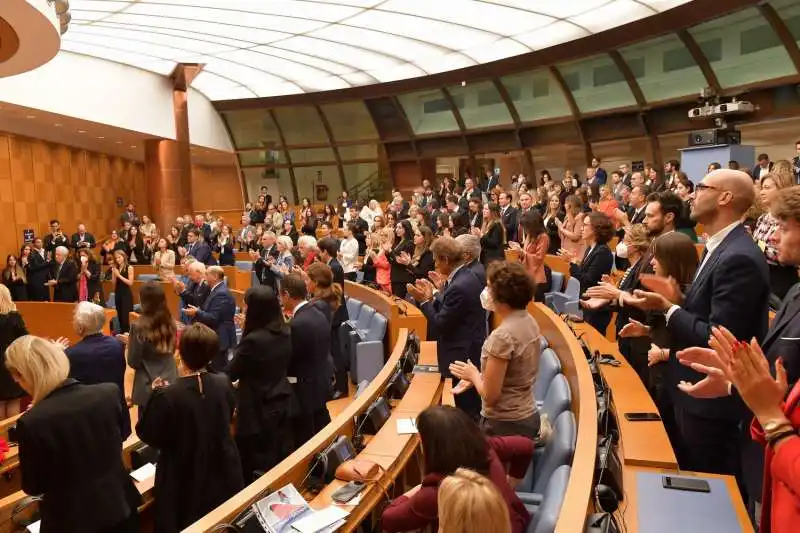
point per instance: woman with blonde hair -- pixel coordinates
(11, 328)
(470, 503)
(98, 496)
(781, 277)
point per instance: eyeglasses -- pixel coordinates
(703, 187)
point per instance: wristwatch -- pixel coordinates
(775, 430)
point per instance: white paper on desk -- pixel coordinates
(34, 528)
(406, 426)
(352, 503)
(320, 520)
(145, 472)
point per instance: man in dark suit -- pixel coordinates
(203, 227)
(129, 215)
(508, 213)
(38, 272)
(762, 168)
(199, 249)
(626, 175)
(196, 291)
(525, 205)
(217, 313)
(98, 358)
(263, 260)
(54, 239)
(731, 289)
(328, 248)
(361, 228)
(469, 192)
(64, 276)
(780, 341)
(456, 318)
(638, 203)
(310, 370)
(492, 181)
(82, 239)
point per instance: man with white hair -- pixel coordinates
(196, 292)
(307, 246)
(471, 246)
(64, 276)
(97, 358)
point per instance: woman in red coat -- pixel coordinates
(451, 440)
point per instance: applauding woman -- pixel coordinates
(400, 275)
(14, 278)
(492, 234)
(89, 287)
(122, 277)
(534, 249)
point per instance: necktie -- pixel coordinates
(58, 272)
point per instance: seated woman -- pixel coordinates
(189, 423)
(70, 445)
(451, 440)
(509, 357)
(264, 395)
(470, 503)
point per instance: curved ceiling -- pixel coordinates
(257, 49)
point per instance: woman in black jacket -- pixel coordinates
(11, 328)
(264, 397)
(70, 445)
(595, 263)
(225, 245)
(493, 235)
(422, 261)
(135, 246)
(403, 244)
(189, 422)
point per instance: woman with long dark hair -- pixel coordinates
(264, 395)
(403, 244)
(14, 278)
(534, 249)
(122, 276)
(225, 246)
(89, 287)
(451, 440)
(151, 343)
(135, 247)
(492, 234)
(308, 218)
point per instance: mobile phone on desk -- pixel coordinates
(347, 492)
(642, 417)
(685, 483)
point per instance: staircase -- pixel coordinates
(377, 186)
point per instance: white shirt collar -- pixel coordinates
(716, 239)
(298, 306)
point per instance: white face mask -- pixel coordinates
(486, 299)
(622, 250)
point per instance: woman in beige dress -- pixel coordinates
(164, 260)
(571, 228)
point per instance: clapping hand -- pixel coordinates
(421, 290)
(593, 303)
(123, 338)
(750, 374)
(634, 329)
(404, 258)
(158, 383)
(566, 255)
(63, 342)
(603, 290)
(476, 231)
(649, 301)
(666, 287)
(191, 310)
(238, 319)
(437, 279)
(462, 386)
(465, 370)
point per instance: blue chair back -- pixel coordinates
(558, 398)
(549, 366)
(546, 516)
(558, 452)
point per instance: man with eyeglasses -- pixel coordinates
(730, 288)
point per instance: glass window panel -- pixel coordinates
(307, 180)
(480, 112)
(311, 155)
(277, 181)
(300, 125)
(536, 96)
(789, 11)
(358, 151)
(350, 121)
(597, 84)
(359, 173)
(428, 112)
(668, 68)
(737, 66)
(252, 129)
(261, 157)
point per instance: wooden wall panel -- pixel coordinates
(40, 181)
(216, 188)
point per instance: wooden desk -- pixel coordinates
(173, 300)
(389, 449)
(54, 319)
(628, 512)
(399, 313)
(642, 443)
(294, 468)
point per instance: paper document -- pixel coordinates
(145, 472)
(34, 528)
(320, 520)
(406, 426)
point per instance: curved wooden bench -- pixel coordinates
(294, 468)
(54, 319)
(387, 448)
(557, 264)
